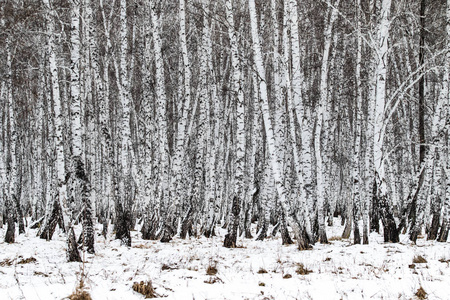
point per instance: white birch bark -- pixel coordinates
(357, 133)
(72, 251)
(390, 227)
(322, 106)
(238, 95)
(3, 178)
(276, 165)
(80, 178)
(12, 167)
(161, 114)
(184, 109)
(443, 235)
(307, 189)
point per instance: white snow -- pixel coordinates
(339, 269)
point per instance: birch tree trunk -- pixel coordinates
(161, 117)
(357, 134)
(72, 250)
(80, 179)
(320, 189)
(276, 165)
(445, 227)
(177, 167)
(391, 233)
(303, 117)
(123, 198)
(12, 174)
(238, 95)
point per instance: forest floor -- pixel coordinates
(33, 268)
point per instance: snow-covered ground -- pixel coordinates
(258, 270)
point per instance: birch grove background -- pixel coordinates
(185, 115)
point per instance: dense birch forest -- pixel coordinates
(176, 117)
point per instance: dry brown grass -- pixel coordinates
(37, 273)
(27, 261)
(142, 246)
(335, 238)
(213, 280)
(165, 267)
(145, 288)
(211, 270)
(262, 271)
(419, 260)
(6, 262)
(80, 293)
(421, 294)
(302, 270)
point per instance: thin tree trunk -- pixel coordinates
(322, 106)
(238, 95)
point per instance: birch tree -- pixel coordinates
(237, 93)
(320, 119)
(72, 250)
(385, 207)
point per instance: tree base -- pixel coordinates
(73, 255)
(443, 235)
(230, 240)
(10, 232)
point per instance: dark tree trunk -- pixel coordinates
(262, 232)
(122, 229)
(122, 222)
(105, 227)
(390, 229)
(231, 236)
(348, 228)
(168, 230)
(49, 228)
(285, 238)
(434, 229)
(443, 234)
(356, 234)
(374, 216)
(73, 255)
(247, 222)
(150, 227)
(11, 229)
(186, 223)
(209, 231)
(19, 213)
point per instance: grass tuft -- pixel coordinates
(302, 270)
(145, 288)
(421, 294)
(211, 270)
(262, 271)
(80, 293)
(27, 261)
(6, 262)
(419, 260)
(213, 280)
